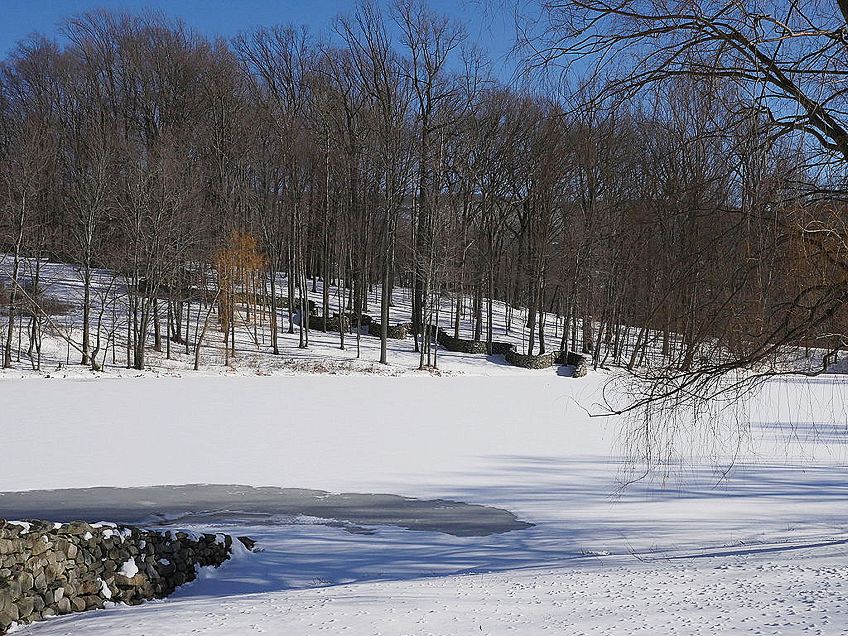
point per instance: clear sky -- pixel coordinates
(20, 18)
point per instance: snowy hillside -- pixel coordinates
(60, 355)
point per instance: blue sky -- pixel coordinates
(19, 18)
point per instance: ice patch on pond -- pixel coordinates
(209, 505)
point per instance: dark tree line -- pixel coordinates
(678, 216)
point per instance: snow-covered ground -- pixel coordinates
(759, 551)
(62, 284)
(62, 289)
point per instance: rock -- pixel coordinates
(25, 581)
(40, 582)
(71, 589)
(26, 605)
(89, 586)
(78, 528)
(62, 546)
(13, 588)
(53, 571)
(92, 602)
(248, 543)
(9, 615)
(63, 606)
(6, 599)
(40, 547)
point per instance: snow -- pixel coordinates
(104, 589)
(758, 550)
(746, 538)
(759, 598)
(61, 282)
(24, 525)
(128, 569)
(342, 433)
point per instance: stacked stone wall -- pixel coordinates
(395, 332)
(512, 356)
(579, 362)
(48, 569)
(462, 345)
(334, 323)
(542, 361)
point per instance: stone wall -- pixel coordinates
(506, 349)
(334, 323)
(501, 348)
(542, 361)
(348, 320)
(48, 569)
(512, 356)
(579, 362)
(463, 345)
(395, 332)
(312, 307)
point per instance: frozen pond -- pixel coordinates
(200, 504)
